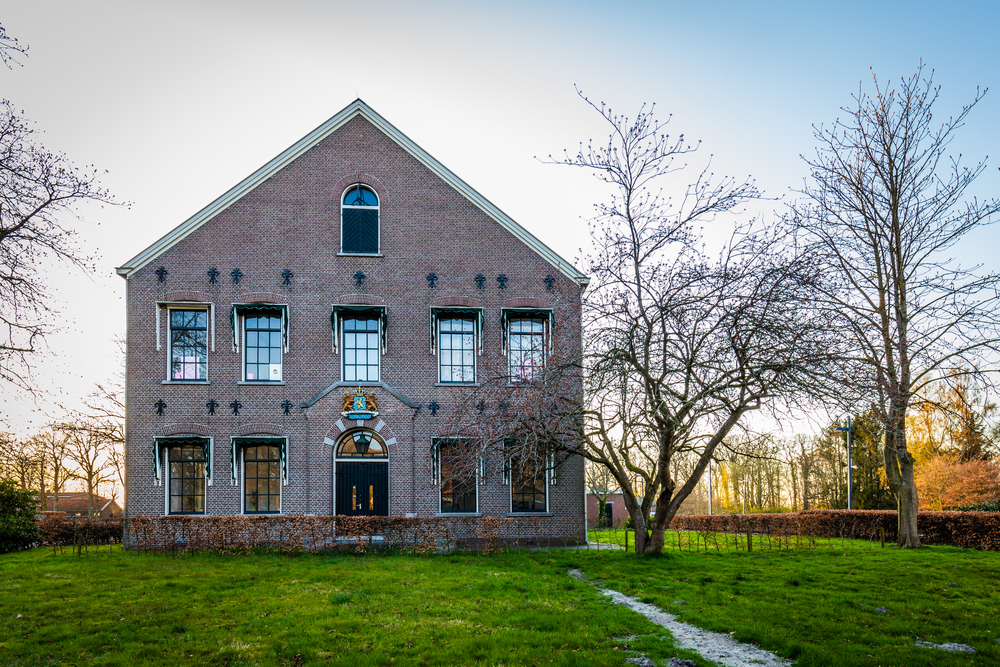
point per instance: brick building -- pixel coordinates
(293, 346)
(76, 503)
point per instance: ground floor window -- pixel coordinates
(527, 487)
(187, 479)
(458, 476)
(261, 479)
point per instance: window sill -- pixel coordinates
(530, 514)
(359, 254)
(448, 514)
(264, 383)
(456, 384)
(185, 382)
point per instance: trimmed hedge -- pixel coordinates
(62, 531)
(972, 530)
(240, 534)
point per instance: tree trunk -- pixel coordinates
(899, 472)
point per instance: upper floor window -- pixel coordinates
(262, 351)
(261, 329)
(457, 349)
(188, 344)
(456, 338)
(359, 221)
(526, 341)
(361, 349)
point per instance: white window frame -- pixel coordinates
(438, 479)
(241, 323)
(476, 346)
(379, 348)
(546, 315)
(509, 475)
(168, 306)
(240, 480)
(165, 475)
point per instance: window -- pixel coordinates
(359, 221)
(457, 349)
(188, 344)
(261, 479)
(361, 349)
(527, 486)
(362, 444)
(262, 331)
(527, 348)
(262, 350)
(187, 479)
(457, 475)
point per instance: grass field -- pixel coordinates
(818, 605)
(818, 602)
(110, 608)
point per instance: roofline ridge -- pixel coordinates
(300, 147)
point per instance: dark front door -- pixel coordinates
(362, 489)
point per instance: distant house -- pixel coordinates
(75, 504)
(614, 509)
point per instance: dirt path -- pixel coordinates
(713, 646)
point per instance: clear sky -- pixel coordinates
(179, 101)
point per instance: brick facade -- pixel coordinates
(290, 220)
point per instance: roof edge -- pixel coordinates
(296, 150)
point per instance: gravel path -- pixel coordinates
(713, 646)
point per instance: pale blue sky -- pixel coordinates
(181, 100)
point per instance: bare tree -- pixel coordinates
(52, 446)
(884, 205)
(681, 345)
(105, 413)
(38, 190)
(18, 462)
(10, 49)
(88, 449)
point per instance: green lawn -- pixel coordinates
(110, 608)
(817, 605)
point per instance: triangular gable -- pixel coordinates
(356, 108)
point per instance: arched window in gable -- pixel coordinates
(359, 221)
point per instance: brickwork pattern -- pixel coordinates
(292, 221)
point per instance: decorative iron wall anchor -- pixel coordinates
(480, 281)
(213, 275)
(502, 281)
(480, 406)
(212, 405)
(160, 406)
(236, 406)
(236, 274)
(359, 278)
(287, 406)
(161, 274)
(434, 407)
(432, 280)
(549, 282)
(286, 277)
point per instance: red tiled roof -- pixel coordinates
(77, 502)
